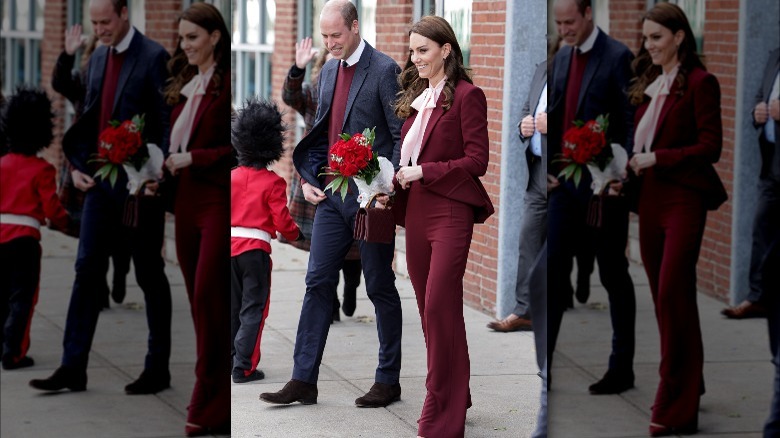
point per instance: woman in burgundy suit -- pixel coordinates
(201, 158)
(678, 138)
(444, 150)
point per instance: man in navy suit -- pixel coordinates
(357, 90)
(125, 78)
(590, 77)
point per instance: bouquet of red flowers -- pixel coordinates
(121, 144)
(352, 157)
(584, 144)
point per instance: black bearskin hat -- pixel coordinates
(26, 122)
(258, 133)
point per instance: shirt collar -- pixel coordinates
(589, 41)
(125, 43)
(355, 56)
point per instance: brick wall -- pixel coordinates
(55, 15)
(720, 56)
(281, 61)
(720, 49)
(394, 17)
(487, 62)
(161, 22)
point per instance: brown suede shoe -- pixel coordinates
(379, 396)
(293, 391)
(510, 324)
(745, 309)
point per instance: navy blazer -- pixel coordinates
(604, 92)
(768, 149)
(369, 104)
(139, 91)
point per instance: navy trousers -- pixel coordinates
(331, 239)
(770, 278)
(566, 222)
(100, 226)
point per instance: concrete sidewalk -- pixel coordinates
(504, 384)
(117, 359)
(737, 371)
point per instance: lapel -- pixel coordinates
(561, 69)
(770, 75)
(594, 60)
(97, 70)
(205, 103)
(131, 57)
(537, 85)
(327, 86)
(435, 116)
(670, 101)
(361, 73)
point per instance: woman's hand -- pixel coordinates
(642, 161)
(406, 175)
(178, 161)
(381, 201)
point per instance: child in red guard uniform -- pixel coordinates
(28, 195)
(258, 209)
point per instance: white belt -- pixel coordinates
(19, 219)
(250, 233)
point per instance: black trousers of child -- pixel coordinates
(250, 287)
(20, 272)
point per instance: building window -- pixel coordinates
(694, 10)
(22, 32)
(252, 46)
(457, 13)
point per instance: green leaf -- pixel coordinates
(345, 136)
(344, 188)
(333, 184)
(113, 175)
(577, 176)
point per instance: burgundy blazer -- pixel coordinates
(689, 137)
(454, 152)
(210, 144)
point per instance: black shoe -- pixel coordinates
(119, 290)
(293, 391)
(24, 362)
(350, 297)
(583, 290)
(379, 396)
(239, 377)
(612, 383)
(149, 383)
(63, 378)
